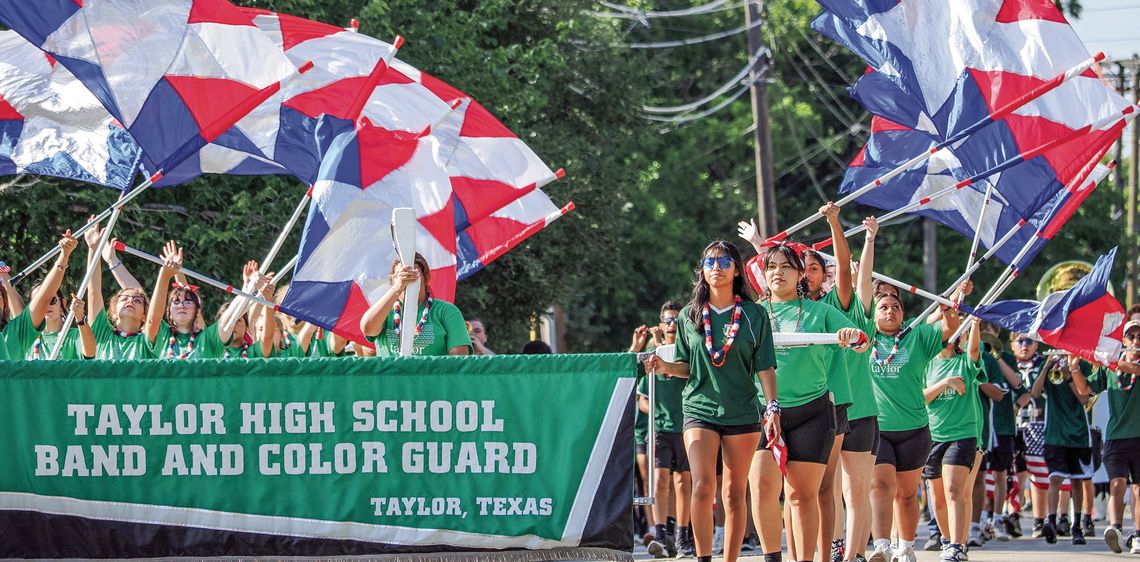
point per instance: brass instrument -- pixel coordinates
(994, 342)
(1063, 276)
(1058, 375)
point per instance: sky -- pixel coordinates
(1112, 26)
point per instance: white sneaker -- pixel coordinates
(1112, 539)
(1135, 547)
(881, 552)
(904, 553)
(1000, 534)
(718, 541)
(975, 536)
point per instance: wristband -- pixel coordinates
(117, 264)
(773, 408)
(80, 322)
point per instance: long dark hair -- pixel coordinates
(4, 307)
(700, 295)
(793, 258)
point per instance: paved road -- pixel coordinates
(1023, 550)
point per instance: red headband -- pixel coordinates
(796, 247)
(191, 288)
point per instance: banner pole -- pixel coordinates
(997, 115)
(978, 227)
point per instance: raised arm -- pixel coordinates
(250, 284)
(842, 255)
(172, 262)
(305, 336)
(117, 269)
(865, 285)
(86, 336)
(54, 279)
(1078, 384)
(373, 320)
(269, 325)
(974, 344)
(1011, 376)
(95, 282)
(15, 302)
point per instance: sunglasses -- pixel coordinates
(723, 262)
(1023, 341)
(1132, 337)
(668, 319)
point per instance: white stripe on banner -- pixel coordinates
(264, 524)
(592, 478)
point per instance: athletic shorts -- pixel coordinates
(642, 449)
(809, 431)
(1069, 462)
(842, 424)
(905, 450)
(863, 437)
(722, 430)
(1097, 447)
(1000, 456)
(669, 452)
(955, 453)
(1019, 452)
(1122, 459)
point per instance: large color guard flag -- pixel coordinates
(51, 125)
(961, 209)
(488, 239)
(1085, 320)
(940, 68)
(176, 73)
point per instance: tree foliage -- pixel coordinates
(649, 195)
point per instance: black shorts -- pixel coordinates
(842, 424)
(1074, 463)
(722, 430)
(669, 452)
(1000, 456)
(1097, 446)
(905, 450)
(864, 436)
(642, 449)
(955, 453)
(809, 431)
(1019, 452)
(1122, 459)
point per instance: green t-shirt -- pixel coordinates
(839, 376)
(322, 346)
(667, 414)
(1066, 423)
(443, 330)
(726, 395)
(954, 416)
(3, 348)
(802, 373)
(20, 334)
(899, 384)
(72, 346)
(1000, 417)
(859, 368)
(111, 346)
(206, 345)
(1123, 405)
(289, 349)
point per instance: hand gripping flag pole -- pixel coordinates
(188, 149)
(996, 116)
(1123, 117)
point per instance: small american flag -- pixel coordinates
(780, 453)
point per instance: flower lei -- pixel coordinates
(718, 357)
(184, 354)
(875, 356)
(1120, 381)
(397, 316)
(38, 348)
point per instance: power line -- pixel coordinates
(681, 119)
(716, 94)
(693, 40)
(634, 13)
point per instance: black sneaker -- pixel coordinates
(1063, 526)
(934, 543)
(1048, 532)
(656, 548)
(1088, 527)
(1078, 536)
(671, 545)
(685, 546)
(1013, 525)
(1038, 530)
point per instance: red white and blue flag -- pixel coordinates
(942, 69)
(51, 125)
(1085, 320)
(176, 73)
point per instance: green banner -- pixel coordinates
(450, 453)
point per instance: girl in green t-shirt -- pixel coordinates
(898, 369)
(439, 328)
(808, 415)
(951, 395)
(119, 322)
(724, 343)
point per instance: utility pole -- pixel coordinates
(765, 179)
(1133, 188)
(1121, 86)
